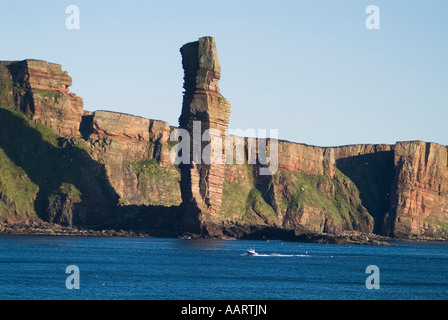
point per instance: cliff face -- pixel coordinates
(371, 169)
(41, 91)
(49, 177)
(65, 165)
(139, 138)
(321, 189)
(103, 169)
(420, 189)
(135, 153)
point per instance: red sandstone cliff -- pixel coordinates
(399, 190)
(420, 189)
(320, 189)
(41, 90)
(124, 144)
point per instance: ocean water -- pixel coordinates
(34, 267)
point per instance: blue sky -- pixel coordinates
(310, 69)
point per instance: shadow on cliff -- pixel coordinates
(74, 188)
(373, 175)
(22, 94)
(158, 221)
(51, 167)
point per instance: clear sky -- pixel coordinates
(310, 69)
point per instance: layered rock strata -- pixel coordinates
(419, 200)
(41, 90)
(320, 189)
(136, 155)
(139, 138)
(111, 169)
(204, 108)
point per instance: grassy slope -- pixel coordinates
(36, 163)
(242, 201)
(156, 185)
(17, 191)
(338, 202)
(340, 205)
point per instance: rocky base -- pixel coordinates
(45, 228)
(229, 231)
(302, 235)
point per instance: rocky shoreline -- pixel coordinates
(263, 233)
(45, 228)
(255, 233)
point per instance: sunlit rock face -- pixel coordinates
(204, 108)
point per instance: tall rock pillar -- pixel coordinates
(205, 114)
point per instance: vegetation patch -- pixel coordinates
(6, 85)
(17, 191)
(337, 199)
(47, 94)
(242, 201)
(258, 209)
(155, 185)
(49, 162)
(152, 168)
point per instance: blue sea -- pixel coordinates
(133, 268)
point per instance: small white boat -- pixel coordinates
(251, 252)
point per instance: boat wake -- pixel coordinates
(283, 255)
(276, 255)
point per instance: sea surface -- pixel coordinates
(34, 267)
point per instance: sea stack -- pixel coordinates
(204, 110)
